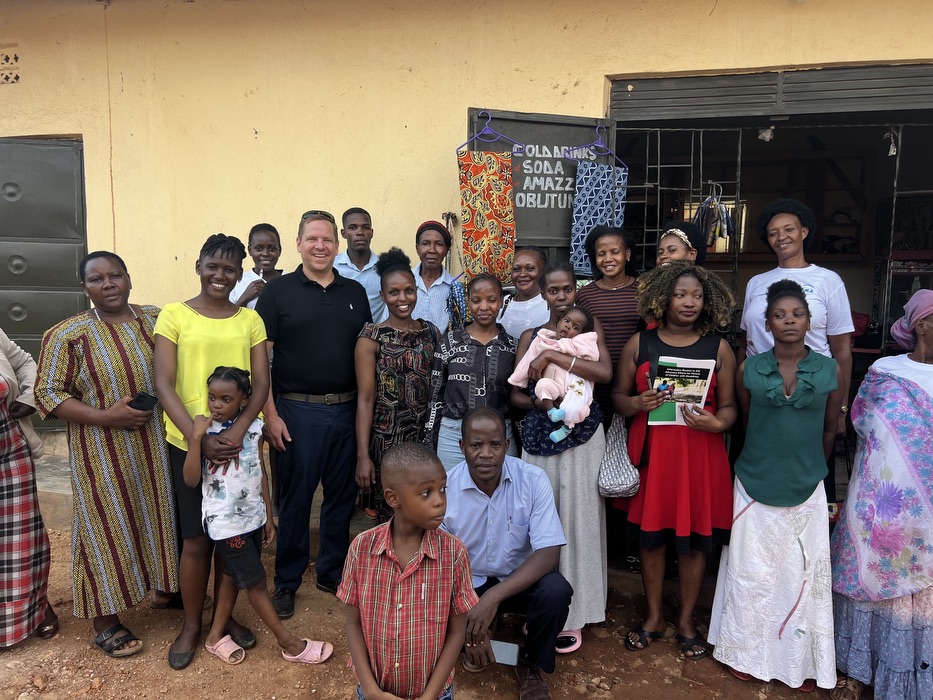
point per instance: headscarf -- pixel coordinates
(434, 226)
(919, 307)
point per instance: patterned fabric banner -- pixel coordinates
(487, 213)
(599, 200)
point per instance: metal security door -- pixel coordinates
(42, 236)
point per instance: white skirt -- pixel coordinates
(773, 610)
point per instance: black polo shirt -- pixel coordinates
(314, 330)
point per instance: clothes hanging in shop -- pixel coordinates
(599, 200)
(487, 213)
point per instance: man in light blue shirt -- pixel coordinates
(359, 261)
(503, 511)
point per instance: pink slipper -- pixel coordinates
(568, 641)
(314, 653)
(226, 650)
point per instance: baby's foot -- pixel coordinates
(560, 433)
(556, 415)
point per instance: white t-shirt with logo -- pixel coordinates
(231, 503)
(826, 297)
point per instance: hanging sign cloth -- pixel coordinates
(599, 200)
(487, 213)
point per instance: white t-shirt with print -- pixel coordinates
(231, 503)
(826, 297)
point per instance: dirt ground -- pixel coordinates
(70, 666)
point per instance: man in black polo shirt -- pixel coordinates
(312, 321)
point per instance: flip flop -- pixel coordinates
(313, 653)
(741, 675)
(575, 638)
(226, 650)
(690, 644)
(645, 638)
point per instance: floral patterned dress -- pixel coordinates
(882, 549)
(403, 365)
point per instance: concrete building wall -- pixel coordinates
(201, 116)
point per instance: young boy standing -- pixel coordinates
(407, 587)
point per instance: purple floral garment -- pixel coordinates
(883, 545)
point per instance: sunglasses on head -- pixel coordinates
(319, 212)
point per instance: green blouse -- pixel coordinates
(782, 460)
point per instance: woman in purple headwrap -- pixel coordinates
(882, 549)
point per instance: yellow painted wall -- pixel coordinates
(201, 116)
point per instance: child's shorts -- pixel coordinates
(446, 695)
(242, 558)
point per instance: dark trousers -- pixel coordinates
(545, 605)
(322, 450)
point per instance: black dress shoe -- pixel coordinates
(284, 603)
(327, 586)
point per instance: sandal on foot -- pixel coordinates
(227, 650)
(644, 638)
(691, 644)
(568, 641)
(808, 686)
(847, 689)
(313, 653)
(470, 667)
(741, 675)
(109, 643)
(49, 627)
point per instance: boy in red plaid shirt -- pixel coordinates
(407, 587)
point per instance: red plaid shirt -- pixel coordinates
(404, 612)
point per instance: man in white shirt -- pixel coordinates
(359, 261)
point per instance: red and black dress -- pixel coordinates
(685, 499)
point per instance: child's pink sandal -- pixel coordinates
(227, 651)
(313, 653)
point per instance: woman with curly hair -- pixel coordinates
(393, 362)
(685, 482)
(773, 614)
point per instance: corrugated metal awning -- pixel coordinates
(774, 94)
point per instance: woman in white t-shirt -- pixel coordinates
(786, 225)
(526, 308)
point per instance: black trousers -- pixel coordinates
(545, 605)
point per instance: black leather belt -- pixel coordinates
(328, 399)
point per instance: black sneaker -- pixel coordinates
(284, 603)
(327, 586)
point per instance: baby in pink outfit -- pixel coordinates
(574, 336)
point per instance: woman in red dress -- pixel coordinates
(685, 495)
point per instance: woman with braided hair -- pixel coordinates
(685, 481)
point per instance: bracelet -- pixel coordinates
(572, 363)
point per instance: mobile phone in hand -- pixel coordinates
(143, 401)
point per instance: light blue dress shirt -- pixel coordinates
(501, 532)
(432, 302)
(369, 278)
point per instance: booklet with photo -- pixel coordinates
(684, 383)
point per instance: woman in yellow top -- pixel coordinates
(192, 338)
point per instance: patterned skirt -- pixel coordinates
(25, 553)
